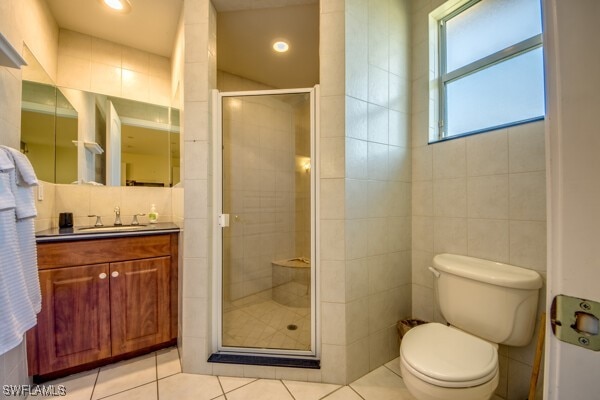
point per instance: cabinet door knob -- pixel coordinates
(102, 276)
(114, 274)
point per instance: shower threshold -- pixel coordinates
(247, 359)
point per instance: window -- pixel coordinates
(491, 66)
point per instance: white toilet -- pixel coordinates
(486, 303)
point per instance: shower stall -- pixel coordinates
(265, 238)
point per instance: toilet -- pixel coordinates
(486, 304)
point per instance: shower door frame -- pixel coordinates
(217, 248)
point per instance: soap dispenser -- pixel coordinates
(153, 215)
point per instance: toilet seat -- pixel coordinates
(447, 357)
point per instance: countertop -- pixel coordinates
(75, 233)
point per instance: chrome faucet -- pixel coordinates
(118, 216)
(135, 220)
(98, 220)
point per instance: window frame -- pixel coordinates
(490, 60)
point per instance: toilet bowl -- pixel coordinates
(486, 303)
(442, 363)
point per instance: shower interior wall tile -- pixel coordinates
(482, 196)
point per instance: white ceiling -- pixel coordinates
(150, 26)
(246, 31)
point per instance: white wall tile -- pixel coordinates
(450, 236)
(356, 159)
(528, 196)
(357, 320)
(488, 239)
(488, 196)
(357, 238)
(378, 86)
(422, 163)
(333, 108)
(333, 322)
(333, 281)
(422, 198)
(378, 124)
(422, 233)
(527, 147)
(450, 159)
(450, 197)
(332, 158)
(487, 153)
(357, 279)
(528, 244)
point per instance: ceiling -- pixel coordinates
(150, 26)
(246, 32)
(245, 39)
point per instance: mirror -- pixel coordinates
(73, 136)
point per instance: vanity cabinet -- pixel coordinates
(103, 299)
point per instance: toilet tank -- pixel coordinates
(495, 301)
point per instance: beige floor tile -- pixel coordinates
(309, 390)
(229, 383)
(262, 389)
(145, 392)
(345, 393)
(78, 386)
(189, 386)
(167, 362)
(394, 365)
(125, 375)
(381, 384)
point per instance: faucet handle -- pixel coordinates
(135, 220)
(98, 220)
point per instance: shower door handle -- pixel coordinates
(224, 220)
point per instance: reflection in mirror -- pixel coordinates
(37, 128)
(175, 143)
(48, 125)
(72, 136)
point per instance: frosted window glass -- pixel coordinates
(508, 92)
(488, 27)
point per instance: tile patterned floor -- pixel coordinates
(158, 376)
(258, 321)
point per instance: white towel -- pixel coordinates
(25, 173)
(20, 298)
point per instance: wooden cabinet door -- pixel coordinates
(74, 324)
(140, 303)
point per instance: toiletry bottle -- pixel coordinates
(153, 215)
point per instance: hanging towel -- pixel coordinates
(20, 298)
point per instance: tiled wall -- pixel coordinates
(84, 200)
(99, 66)
(365, 183)
(199, 78)
(482, 196)
(29, 21)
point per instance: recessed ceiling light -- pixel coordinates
(122, 6)
(281, 46)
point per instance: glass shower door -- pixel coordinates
(267, 275)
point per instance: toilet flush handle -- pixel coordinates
(435, 272)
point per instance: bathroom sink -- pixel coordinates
(113, 228)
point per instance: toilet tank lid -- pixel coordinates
(491, 272)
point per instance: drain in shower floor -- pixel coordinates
(292, 327)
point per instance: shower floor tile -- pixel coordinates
(258, 321)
